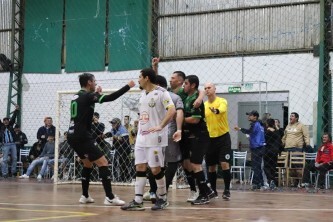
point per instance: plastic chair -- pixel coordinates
(23, 153)
(311, 157)
(238, 164)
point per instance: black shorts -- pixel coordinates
(219, 150)
(85, 148)
(194, 148)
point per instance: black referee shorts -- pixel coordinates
(219, 150)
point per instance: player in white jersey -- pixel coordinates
(156, 110)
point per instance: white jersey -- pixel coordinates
(153, 108)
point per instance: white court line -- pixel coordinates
(179, 208)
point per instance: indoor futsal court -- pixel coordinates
(29, 200)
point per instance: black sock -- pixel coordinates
(190, 180)
(85, 179)
(170, 173)
(152, 182)
(202, 184)
(212, 177)
(227, 178)
(105, 175)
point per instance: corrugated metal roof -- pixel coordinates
(5, 14)
(167, 7)
(261, 29)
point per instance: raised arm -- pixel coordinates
(154, 64)
(117, 94)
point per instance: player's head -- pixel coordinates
(210, 89)
(326, 138)
(147, 76)
(177, 79)
(87, 80)
(161, 81)
(191, 83)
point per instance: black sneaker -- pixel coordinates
(212, 194)
(226, 195)
(200, 200)
(133, 206)
(160, 204)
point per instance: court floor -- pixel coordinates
(29, 200)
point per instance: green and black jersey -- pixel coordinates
(190, 111)
(82, 110)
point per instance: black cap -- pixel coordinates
(115, 121)
(16, 126)
(253, 113)
(6, 118)
(96, 114)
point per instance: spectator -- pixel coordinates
(122, 146)
(273, 147)
(134, 131)
(265, 117)
(7, 135)
(323, 163)
(20, 139)
(44, 158)
(97, 129)
(296, 135)
(46, 130)
(257, 146)
(278, 127)
(35, 151)
(66, 155)
(129, 128)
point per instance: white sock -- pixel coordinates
(161, 188)
(140, 183)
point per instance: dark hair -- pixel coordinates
(161, 81)
(296, 114)
(96, 114)
(150, 73)
(84, 78)
(329, 136)
(180, 74)
(277, 120)
(193, 79)
(270, 123)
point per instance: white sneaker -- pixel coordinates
(192, 196)
(146, 196)
(24, 176)
(39, 178)
(114, 202)
(85, 200)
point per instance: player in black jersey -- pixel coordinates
(81, 139)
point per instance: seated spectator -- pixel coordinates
(44, 158)
(66, 155)
(323, 163)
(20, 140)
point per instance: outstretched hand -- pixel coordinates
(99, 89)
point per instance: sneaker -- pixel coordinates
(152, 197)
(226, 195)
(24, 176)
(304, 185)
(160, 205)
(114, 202)
(85, 200)
(39, 178)
(200, 200)
(272, 185)
(212, 194)
(192, 196)
(133, 206)
(146, 196)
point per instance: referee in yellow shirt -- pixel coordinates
(216, 113)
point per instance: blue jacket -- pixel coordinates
(257, 134)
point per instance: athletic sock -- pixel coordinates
(212, 176)
(105, 175)
(140, 183)
(190, 180)
(227, 179)
(202, 184)
(85, 179)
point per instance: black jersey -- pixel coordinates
(82, 111)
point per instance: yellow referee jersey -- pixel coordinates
(217, 124)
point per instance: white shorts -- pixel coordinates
(154, 156)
